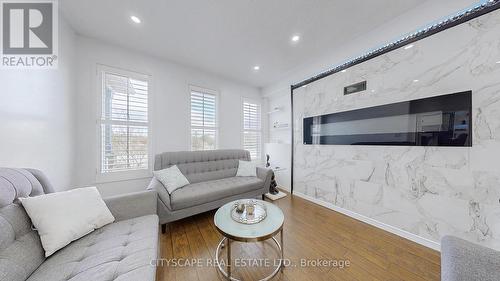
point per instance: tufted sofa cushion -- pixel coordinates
(15, 183)
(211, 175)
(203, 192)
(119, 251)
(199, 166)
(20, 249)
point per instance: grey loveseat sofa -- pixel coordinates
(211, 175)
(124, 250)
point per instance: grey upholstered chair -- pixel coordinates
(465, 261)
(213, 182)
(123, 250)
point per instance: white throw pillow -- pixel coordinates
(171, 178)
(63, 217)
(246, 169)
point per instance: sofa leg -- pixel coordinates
(163, 228)
(263, 197)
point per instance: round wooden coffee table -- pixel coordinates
(235, 231)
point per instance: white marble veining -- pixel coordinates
(428, 191)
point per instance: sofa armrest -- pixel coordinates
(44, 181)
(132, 205)
(160, 190)
(463, 260)
(265, 174)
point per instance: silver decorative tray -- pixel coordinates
(258, 215)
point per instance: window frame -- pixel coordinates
(259, 159)
(193, 88)
(130, 174)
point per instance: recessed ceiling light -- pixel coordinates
(295, 38)
(408, 47)
(256, 67)
(415, 81)
(498, 62)
(135, 19)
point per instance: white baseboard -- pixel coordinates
(286, 188)
(403, 233)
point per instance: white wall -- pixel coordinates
(279, 139)
(170, 101)
(427, 192)
(278, 93)
(37, 115)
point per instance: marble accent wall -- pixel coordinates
(428, 191)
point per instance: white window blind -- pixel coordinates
(124, 123)
(204, 128)
(252, 128)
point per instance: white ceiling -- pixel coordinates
(229, 37)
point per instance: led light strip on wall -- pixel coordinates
(482, 8)
(475, 11)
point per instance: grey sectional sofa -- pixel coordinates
(462, 260)
(123, 250)
(213, 182)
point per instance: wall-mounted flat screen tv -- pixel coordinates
(437, 121)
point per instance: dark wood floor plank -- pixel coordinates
(312, 232)
(182, 252)
(163, 271)
(200, 250)
(377, 250)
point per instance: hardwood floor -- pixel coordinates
(311, 232)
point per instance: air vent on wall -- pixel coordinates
(354, 88)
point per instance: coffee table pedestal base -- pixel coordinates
(226, 242)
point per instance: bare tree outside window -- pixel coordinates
(124, 123)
